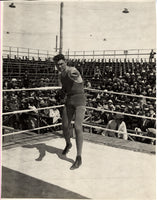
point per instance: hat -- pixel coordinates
(138, 130)
(137, 107)
(136, 103)
(42, 102)
(148, 86)
(117, 106)
(122, 106)
(13, 79)
(130, 107)
(110, 101)
(144, 93)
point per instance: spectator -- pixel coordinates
(151, 57)
(88, 84)
(54, 114)
(97, 73)
(116, 124)
(26, 80)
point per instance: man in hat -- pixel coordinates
(72, 85)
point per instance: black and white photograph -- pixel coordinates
(78, 99)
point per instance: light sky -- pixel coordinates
(35, 24)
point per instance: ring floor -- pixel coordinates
(37, 169)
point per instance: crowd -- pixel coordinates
(24, 100)
(135, 78)
(104, 102)
(140, 80)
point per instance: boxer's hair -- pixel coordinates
(58, 57)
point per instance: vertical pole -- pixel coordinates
(83, 54)
(68, 53)
(38, 54)
(28, 53)
(93, 54)
(10, 52)
(17, 52)
(114, 54)
(56, 42)
(138, 54)
(61, 28)
(103, 54)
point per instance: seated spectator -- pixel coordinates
(14, 83)
(151, 132)
(20, 84)
(26, 80)
(116, 124)
(5, 84)
(32, 107)
(111, 107)
(88, 84)
(97, 73)
(54, 114)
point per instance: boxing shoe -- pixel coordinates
(66, 150)
(77, 163)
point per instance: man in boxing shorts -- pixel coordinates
(72, 86)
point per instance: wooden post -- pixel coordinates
(83, 54)
(10, 52)
(68, 54)
(103, 54)
(17, 52)
(56, 43)
(93, 55)
(61, 28)
(28, 54)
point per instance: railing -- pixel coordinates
(110, 54)
(101, 54)
(26, 52)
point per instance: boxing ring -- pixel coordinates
(36, 168)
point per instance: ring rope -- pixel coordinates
(29, 130)
(84, 124)
(139, 116)
(87, 125)
(31, 110)
(29, 89)
(120, 93)
(94, 90)
(112, 130)
(91, 108)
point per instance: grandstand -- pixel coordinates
(114, 76)
(39, 65)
